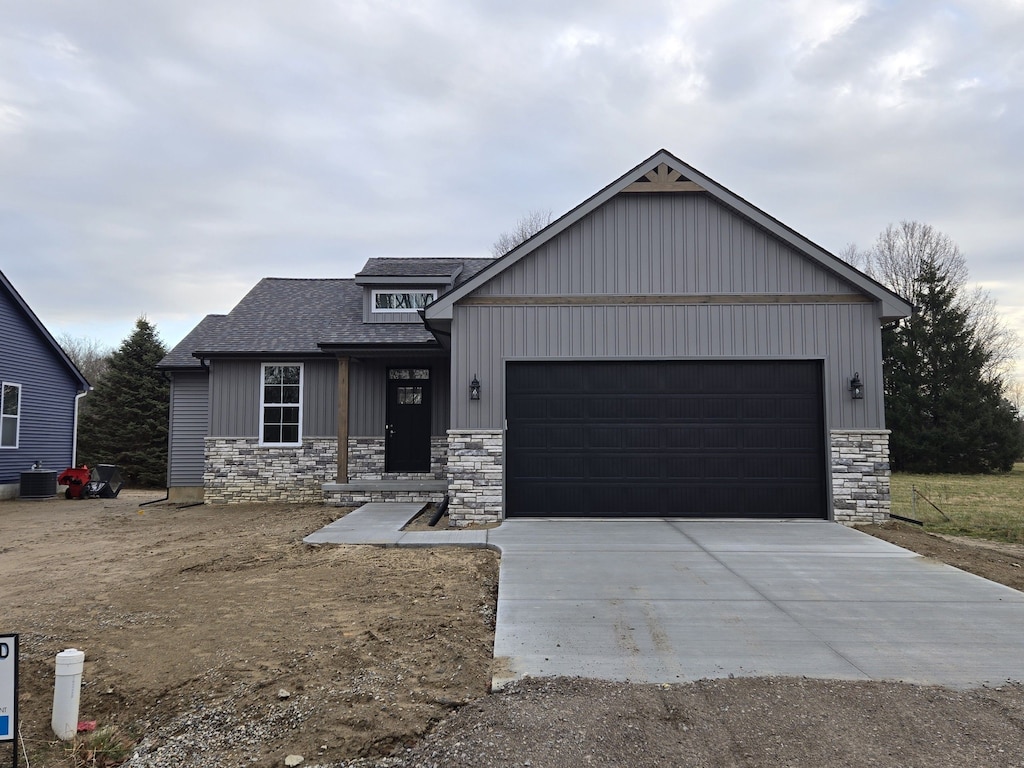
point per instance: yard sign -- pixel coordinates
(8, 687)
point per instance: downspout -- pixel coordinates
(74, 434)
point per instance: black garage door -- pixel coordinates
(665, 439)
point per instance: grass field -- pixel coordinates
(986, 506)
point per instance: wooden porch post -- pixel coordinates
(342, 420)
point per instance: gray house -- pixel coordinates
(39, 393)
(663, 349)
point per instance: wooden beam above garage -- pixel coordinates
(667, 299)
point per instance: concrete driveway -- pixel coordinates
(666, 601)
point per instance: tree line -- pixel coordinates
(124, 420)
(949, 402)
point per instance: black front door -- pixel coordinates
(407, 433)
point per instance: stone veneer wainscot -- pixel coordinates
(475, 475)
(239, 469)
(366, 460)
(860, 475)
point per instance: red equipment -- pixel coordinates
(76, 479)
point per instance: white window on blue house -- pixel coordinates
(10, 414)
(402, 301)
(281, 404)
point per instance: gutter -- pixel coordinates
(74, 437)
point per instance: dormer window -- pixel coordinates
(402, 301)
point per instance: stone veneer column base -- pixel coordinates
(476, 474)
(239, 469)
(860, 475)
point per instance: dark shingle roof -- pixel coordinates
(472, 267)
(291, 316)
(462, 269)
(181, 355)
(410, 268)
(294, 316)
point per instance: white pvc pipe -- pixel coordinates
(67, 690)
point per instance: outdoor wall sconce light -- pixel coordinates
(474, 388)
(856, 387)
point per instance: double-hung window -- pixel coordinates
(10, 414)
(281, 404)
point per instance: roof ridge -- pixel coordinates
(312, 279)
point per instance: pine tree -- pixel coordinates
(946, 412)
(126, 423)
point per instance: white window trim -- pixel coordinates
(263, 403)
(378, 291)
(17, 429)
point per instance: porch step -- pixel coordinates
(384, 491)
(410, 486)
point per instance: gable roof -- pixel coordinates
(307, 316)
(662, 172)
(296, 316)
(47, 339)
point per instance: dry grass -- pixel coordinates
(985, 506)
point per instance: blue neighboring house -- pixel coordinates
(39, 392)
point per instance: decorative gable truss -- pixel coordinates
(664, 179)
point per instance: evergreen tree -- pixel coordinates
(946, 410)
(126, 423)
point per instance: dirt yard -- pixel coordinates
(199, 618)
(214, 637)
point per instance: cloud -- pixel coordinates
(173, 154)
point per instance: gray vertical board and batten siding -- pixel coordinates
(667, 245)
(47, 423)
(189, 425)
(235, 397)
(674, 244)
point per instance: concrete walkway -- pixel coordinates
(668, 601)
(381, 524)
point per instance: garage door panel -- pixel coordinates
(760, 438)
(798, 467)
(640, 438)
(678, 438)
(795, 439)
(604, 437)
(681, 408)
(550, 467)
(800, 408)
(608, 469)
(685, 438)
(715, 438)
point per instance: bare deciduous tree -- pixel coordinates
(528, 225)
(897, 260)
(854, 257)
(1015, 394)
(902, 251)
(89, 355)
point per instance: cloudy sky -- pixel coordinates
(160, 158)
